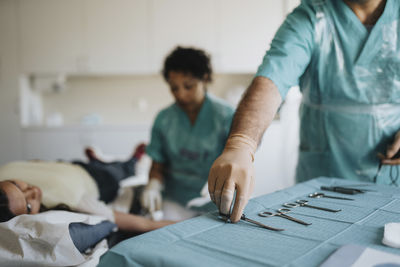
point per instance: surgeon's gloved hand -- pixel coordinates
(233, 169)
(151, 198)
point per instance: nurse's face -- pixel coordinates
(22, 197)
(187, 90)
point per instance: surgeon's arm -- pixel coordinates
(233, 169)
(257, 109)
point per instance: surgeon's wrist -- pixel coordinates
(241, 142)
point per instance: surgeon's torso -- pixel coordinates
(351, 93)
(351, 65)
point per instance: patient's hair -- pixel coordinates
(5, 212)
(189, 61)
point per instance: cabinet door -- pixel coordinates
(246, 30)
(50, 35)
(182, 22)
(117, 33)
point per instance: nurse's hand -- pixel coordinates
(233, 169)
(392, 156)
(151, 198)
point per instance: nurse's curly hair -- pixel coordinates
(189, 61)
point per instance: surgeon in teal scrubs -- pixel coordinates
(188, 135)
(345, 56)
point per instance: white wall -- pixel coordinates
(122, 100)
(10, 147)
(78, 100)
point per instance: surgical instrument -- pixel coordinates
(282, 213)
(343, 190)
(303, 203)
(260, 224)
(244, 218)
(321, 195)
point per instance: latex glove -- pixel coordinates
(391, 158)
(233, 169)
(151, 197)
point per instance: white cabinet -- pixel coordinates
(187, 23)
(246, 30)
(50, 35)
(116, 36)
(134, 36)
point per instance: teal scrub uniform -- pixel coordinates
(349, 75)
(187, 151)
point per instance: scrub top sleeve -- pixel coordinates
(290, 50)
(155, 148)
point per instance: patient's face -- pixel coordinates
(187, 90)
(22, 197)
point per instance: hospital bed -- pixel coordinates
(44, 240)
(209, 241)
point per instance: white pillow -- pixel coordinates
(60, 182)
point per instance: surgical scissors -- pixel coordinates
(303, 203)
(320, 195)
(282, 213)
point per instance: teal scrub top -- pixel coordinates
(187, 151)
(350, 79)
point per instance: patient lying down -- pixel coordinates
(18, 197)
(54, 213)
(27, 187)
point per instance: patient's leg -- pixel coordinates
(91, 154)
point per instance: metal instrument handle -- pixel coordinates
(291, 205)
(293, 219)
(260, 224)
(304, 204)
(266, 214)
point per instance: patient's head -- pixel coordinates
(18, 197)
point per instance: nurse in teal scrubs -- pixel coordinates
(188, 135)
(345, 56)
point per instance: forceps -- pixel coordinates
(244, 218)
(303, 203)
(320, 195)
(282, 213)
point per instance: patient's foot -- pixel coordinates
(91, 154)
(139, 151)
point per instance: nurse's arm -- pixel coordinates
(233, 169)
(156, 171)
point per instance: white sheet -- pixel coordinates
(44, 240)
